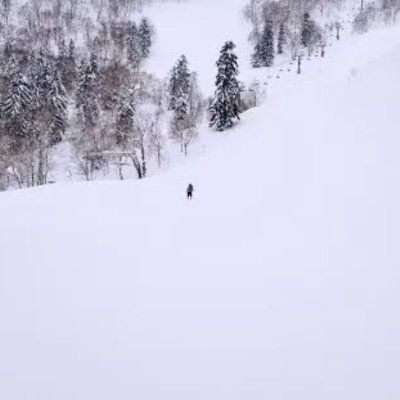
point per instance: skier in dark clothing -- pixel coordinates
(189, 191)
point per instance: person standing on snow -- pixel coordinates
(189, 191)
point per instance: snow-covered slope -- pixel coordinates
(278, 281)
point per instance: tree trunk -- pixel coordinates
(299, 64)
(137, 166)
(143, 155)
(121, 177)
(159, 156)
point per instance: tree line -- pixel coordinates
(51, 95)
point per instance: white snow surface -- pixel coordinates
(278, 281)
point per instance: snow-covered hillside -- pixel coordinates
(278, 281)
(198, 29)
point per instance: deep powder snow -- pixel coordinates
(278, 281)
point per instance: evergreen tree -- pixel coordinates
(94, 66)
(9, 70)
(41, 77)
(186, 101)
(62, 48)
(257, 58)
(268, 47)
(58, 109)
(307, 30)
(184, 122)
(181, 105)
(134, 50)
(86, 94)
(17, 97)
(15, 105)
(179, 86)
(182, 88)
(125, 117)
(225, 106)
(71, 49)
(48, 114)
(145, 37)
(69, 72)
(172, 88)
(264, 52)
(79, 95)
(8, 50)
(281, 39)
(66, 64)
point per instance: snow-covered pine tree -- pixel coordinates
(182, 88)
(268, 46)
(172, 88)
(186, 101)
(281, 38)
(79, 94)
(69, 73)
(8, 50)
(86, 95)
(62, 48)
(133, 48)
(48, 114)
(58, 109)
(125, 117)
(264, 51)
(179, 86)
(16, 101)
(256, 58)
(146, 33)
(307, 30)
(41, 77)
(9, 70)
(66, 64)
(71, 49)
(94, 66)
(225, 106)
